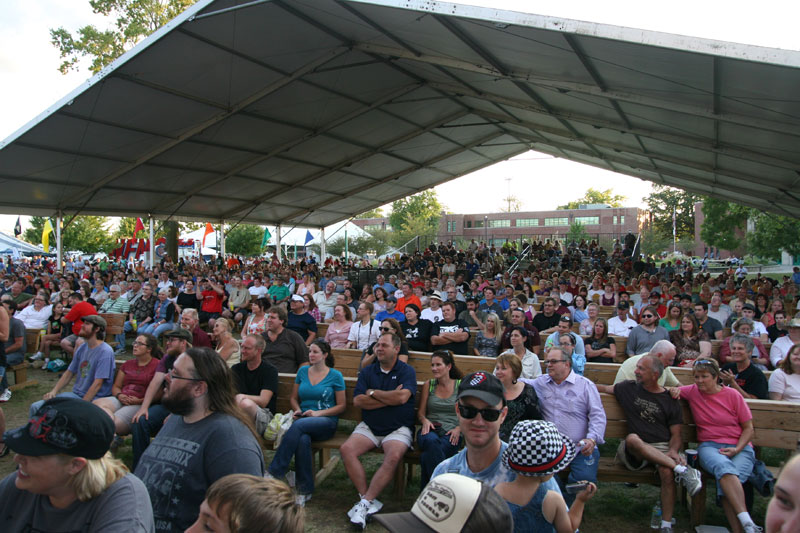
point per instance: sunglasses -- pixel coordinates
(469, 412)
(386, 329)
(647, 316)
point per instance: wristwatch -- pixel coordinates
(370, 393)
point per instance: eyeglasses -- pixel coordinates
(173, 376)
(647, 316)
(565, 344)
(469, 412)
(699, 362)
(550, 362)
(386, 329)
(137, 343)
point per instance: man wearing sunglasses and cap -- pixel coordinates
(481, 409)
(66, 480)
(93, 364)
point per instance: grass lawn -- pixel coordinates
(616, 507)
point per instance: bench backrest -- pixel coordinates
(604, 374)
(776, 424)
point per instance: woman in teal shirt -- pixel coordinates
(317, 400)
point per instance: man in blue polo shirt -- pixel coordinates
(390, 311)
(385, 394)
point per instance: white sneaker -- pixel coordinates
(359, 513)
(752, 528)
(301, 499)
(375, 506)
(5, 396)
(691, 479)
(36, 356)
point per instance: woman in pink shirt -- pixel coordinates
(339, 329)
(724, 429)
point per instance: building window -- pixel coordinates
(527, 222)
(477, 223)
(451, 226)
(467, 223)
(622, 219)
(614, 219)
(500, 223)
(557, 221)
(588, 221)
(373, 227)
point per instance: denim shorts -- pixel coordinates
(718, 465)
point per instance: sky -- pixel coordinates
(30, 82)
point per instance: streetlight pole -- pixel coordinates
(486, 230)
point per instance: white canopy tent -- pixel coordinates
(12, 245)
(307, 112)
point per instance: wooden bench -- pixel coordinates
(115, 324)
(348, 363)
(604, 373)
(325, 461)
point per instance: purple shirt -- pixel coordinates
(574, 406)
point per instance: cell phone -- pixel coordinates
(574, 488)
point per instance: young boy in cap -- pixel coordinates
(537, 450)
(56, 487)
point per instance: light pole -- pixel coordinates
(486, 230)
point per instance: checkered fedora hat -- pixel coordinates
(537, 448)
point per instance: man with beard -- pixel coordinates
(93, 365)
(150, 417)
(207, 438)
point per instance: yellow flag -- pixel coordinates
(46, 231)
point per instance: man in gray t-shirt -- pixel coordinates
(204, 440)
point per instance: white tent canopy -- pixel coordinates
(307, 112)
(9, 244)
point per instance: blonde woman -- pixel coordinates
(227, 347)
(490, 335)
(66, 480)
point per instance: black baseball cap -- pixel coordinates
(483, 386)
(623, 305)
(64, 425)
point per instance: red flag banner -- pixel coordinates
(139, 226)
(209, 229)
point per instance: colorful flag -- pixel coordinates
(139, 226)
(309, 237)
(17, 228)
(46, 231)
(209, 229)
(265, 239)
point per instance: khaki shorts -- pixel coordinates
(634, 463)
(402, 434)
(263, 417)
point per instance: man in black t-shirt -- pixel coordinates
(654, 425)
(450, 333)
(708, 324)
(256, 383)
(547, 320)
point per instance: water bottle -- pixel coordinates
(655, 516)
(589, 461)
(133, 324)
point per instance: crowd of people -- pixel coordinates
(210, 338)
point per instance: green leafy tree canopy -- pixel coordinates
(577, 233)
(135, 20)
(661, 203)
(244, 239)
(594, 196)
(85, 233)
(372, 213)
(421, 206)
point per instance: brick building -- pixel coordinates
(600, 221)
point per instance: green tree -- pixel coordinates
(244, 239)
(577, 233)
(661, 203)
(126, 225)
(720, 224)
(135, 20)
(593, 196)
(416, 215)
(372, 213)
(653, 242)
(87, 234)
(773, 233)
(511, 204)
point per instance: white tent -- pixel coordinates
(12, 245)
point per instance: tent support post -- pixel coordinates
(152, 244)
(278, 242)
(222, 238)
(59, 249)
(322, 248)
